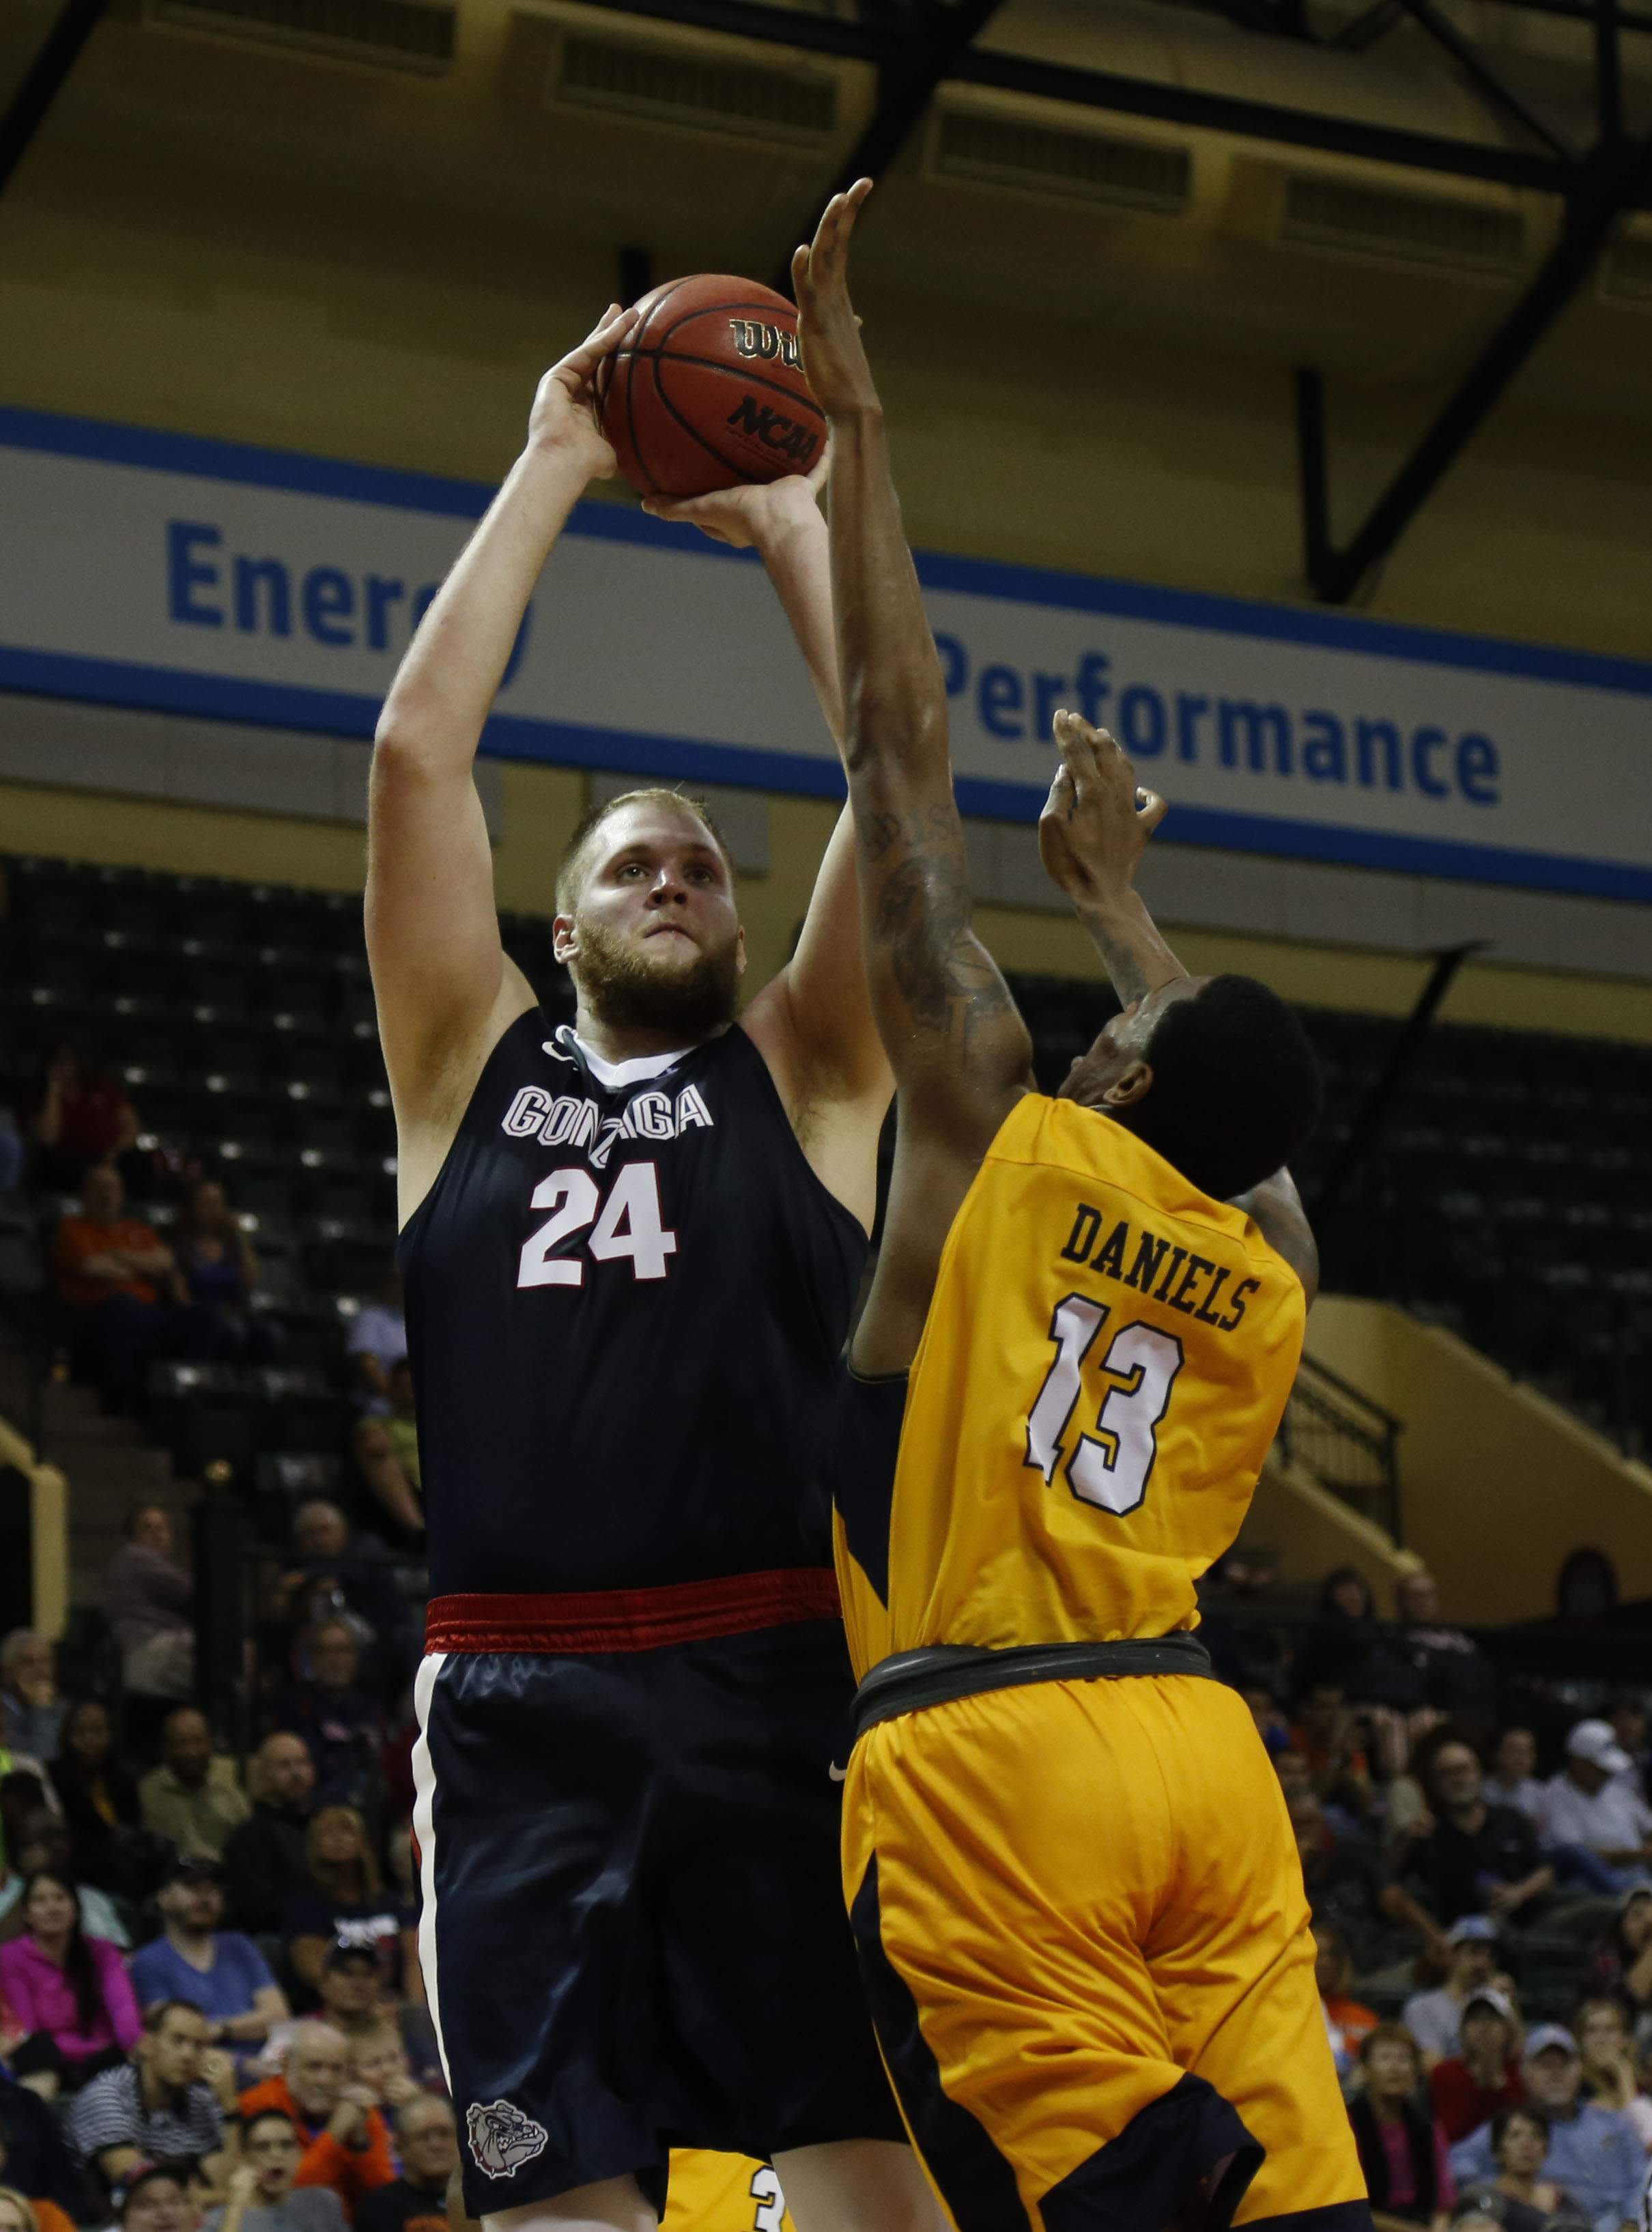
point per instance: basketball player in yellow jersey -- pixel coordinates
(723, 2193)
(1073, 1885)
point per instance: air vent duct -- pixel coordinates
(670, 87)
(403, 34)
(1408, 228)
(1084, 166)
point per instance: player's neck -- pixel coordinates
(621, 1043)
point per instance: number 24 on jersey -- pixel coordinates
(627, 1225)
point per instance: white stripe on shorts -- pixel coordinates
(424, 1834)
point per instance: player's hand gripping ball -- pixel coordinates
(707, 389)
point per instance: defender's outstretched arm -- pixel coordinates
(445, 988)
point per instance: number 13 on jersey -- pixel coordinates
(1110, 1466)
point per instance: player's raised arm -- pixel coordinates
(443, 987)
(1093, 831)
(812, 1022)
(960, 1051)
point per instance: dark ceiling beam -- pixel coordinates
(1126, 96)
(1467, 58)
(1618, 179)
(938, 32)
(1609, 70)
(59, 51)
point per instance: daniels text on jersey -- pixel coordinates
(1154, 1266)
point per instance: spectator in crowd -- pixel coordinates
(44, 1843)
(1627, 1719)
(377, 1340)
(380, 2062)
(1350, 1889)
(1519, 2198)
(1596, 1821)
(1341, 1637)
(1513, 1781)
(28, 2212)
(265, 1862)
(1456, 1678)
(78, 1119)
(68, 1993)
(1482, 2076)
(353, 2001)
(33, 2158)
(219, 1971)
(429, 2143)
(1401, 2148)
(1435, 2019)
(1347, 2022)
(1472, 1857)
(1593, 2152)
(192, 1796)
(159, 2107)
(349, 1906)
(158, 2198)
(340, 1576)
(148, 1596)
(1327, 1735)
(262, 2194)
(1608, 2059)
(386, 1453)
(220, 1270)
(346, 2145)
(339, 1722)
(119, 1285)
(31, 1712)
(1620, 1966)
(98, 1798)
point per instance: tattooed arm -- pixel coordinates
(960, 1053)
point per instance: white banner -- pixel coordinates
(194, 576)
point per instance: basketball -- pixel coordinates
(708, 391)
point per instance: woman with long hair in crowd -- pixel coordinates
(1402, 2148)
(68, 1993)
(349, 1902)
(98, 1798)
(1620, 1966)
(1602, 2030)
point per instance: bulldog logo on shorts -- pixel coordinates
(502, 2139)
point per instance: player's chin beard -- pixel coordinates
(624, 989)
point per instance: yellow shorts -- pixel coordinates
(723, 2193)
(1084, 1936)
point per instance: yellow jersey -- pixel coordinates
(1104, 1363)
(723, 2193)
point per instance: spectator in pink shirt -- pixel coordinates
(68, 1993)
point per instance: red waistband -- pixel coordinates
(633, 1620)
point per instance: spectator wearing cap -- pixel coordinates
(428, 2141)
(1482, 2077)
(1401, 2148)
(1594, 1813)
(1604, 2047)
(264, 1861)
(1513, 1779)
(160, 2107)
(1621, 1965)
(1593, 2152)
(1472, 1857)
(192, 1796)
(346, 2145)
(262, 2194)
(33, 2158)
(1434, 2018)
(219, 1971)
(157, 2197)
(31, 1712)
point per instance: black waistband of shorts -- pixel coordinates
(912, 1679)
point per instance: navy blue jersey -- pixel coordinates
(625, 1308)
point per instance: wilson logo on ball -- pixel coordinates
(752, 339)
(775, 428)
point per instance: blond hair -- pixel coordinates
(570, 874)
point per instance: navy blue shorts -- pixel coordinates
(633, 1934)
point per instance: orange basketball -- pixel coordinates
(708, 390)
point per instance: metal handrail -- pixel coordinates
(1323, 1432)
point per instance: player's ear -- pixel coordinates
(565, 942)
(740, 951)
(1134, 1085)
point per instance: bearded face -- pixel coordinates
(652, 933)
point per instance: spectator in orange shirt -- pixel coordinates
(120, 1281)
(346, 2143)
(1349, 2023)
(1329, 1737)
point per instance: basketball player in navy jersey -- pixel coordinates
(631, 1248)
